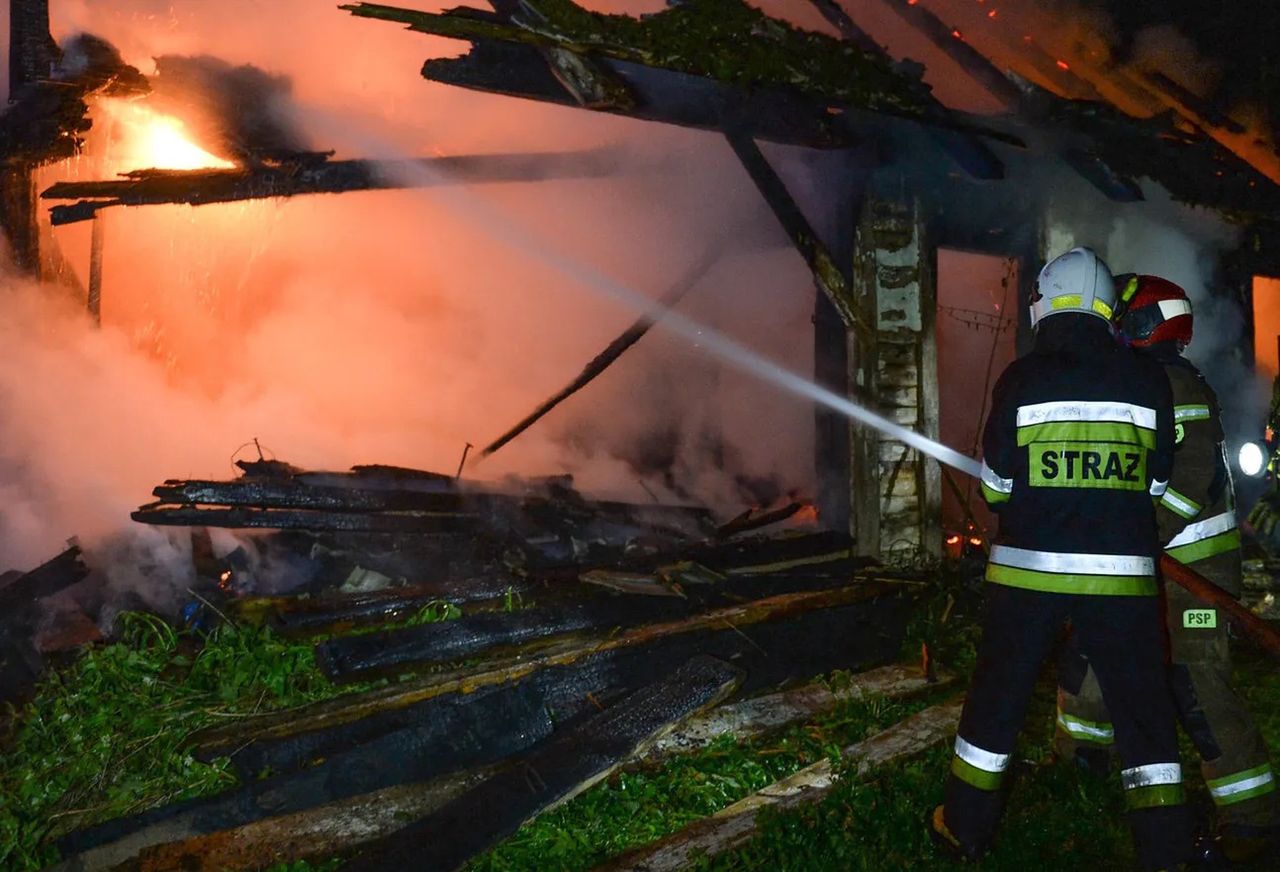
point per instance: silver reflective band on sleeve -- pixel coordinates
(1152, 774)
(1072, 564)
(980, 759)
(995, 482)
(1241, 786)
(1174, 308)
(1204, 529)
(1174, 500)
(1158, 488)
(1082, 410)
(1190, 413)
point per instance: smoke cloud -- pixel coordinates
(384, 326)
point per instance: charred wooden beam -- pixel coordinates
(736, 824)
(953, 44)
(762, 715)
(861, 598)
(341, 826)
(45, 580)
(307, 615)
(459, 733)
(322, 832)
(835, 15)
(801, 62)
(752, 520)
(316, 176)
(288, 519)
(293, 493)
(665, 97)
(477, 725)
(567, 765)
(614, 349)
(830, 277)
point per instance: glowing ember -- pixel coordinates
(1064, 65)
(142, 138)
(807, 515)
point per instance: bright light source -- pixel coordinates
(1252, 459)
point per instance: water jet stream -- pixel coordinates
(427, 179)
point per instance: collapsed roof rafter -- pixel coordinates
(316, 174)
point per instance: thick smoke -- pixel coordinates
(1165, 238)
(384, 326)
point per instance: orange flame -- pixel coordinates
(143, 138)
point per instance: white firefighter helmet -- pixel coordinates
(1077, 281)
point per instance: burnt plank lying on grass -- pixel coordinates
(750, 718)
(321, 832)
(349, 658)
(345, 824)
(364, 661)
(848, 637)
(481, 725)
(568, 764)
(463, 732)
(873, 614)
(736, 824)
(314, 615)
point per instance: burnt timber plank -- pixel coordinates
(813, 643)
(244, 517)
(45, 580)
(660, 96)
(736, 824)
(737, 45)
(292, 494)
(324, 831)
(441, 734)
(339, 826)
(566, 649)
(830, 278)
(615, 349)
(553, 773)
(759, 715)
(345, 710)
(292, 179)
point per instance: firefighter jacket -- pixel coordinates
(1078, 444)
(1197, 513)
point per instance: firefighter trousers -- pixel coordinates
(1234, 759)
(1122, 636)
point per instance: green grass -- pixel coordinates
(106, 737)
(638, 806)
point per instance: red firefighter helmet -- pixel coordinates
(1152, 310)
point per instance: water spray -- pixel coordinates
(424, 177)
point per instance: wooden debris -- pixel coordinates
(321, 832)
(734, 620)
(569, 764)
(638, 583)
(616, 348)
(45, 580)
(764, 714)
(358, 658)
(753, 520)
(736, 824)
(316, 175)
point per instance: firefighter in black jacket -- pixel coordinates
(1078, 444)
(1198, 526)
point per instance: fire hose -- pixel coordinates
(1206, 591)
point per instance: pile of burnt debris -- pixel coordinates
(592, 634)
